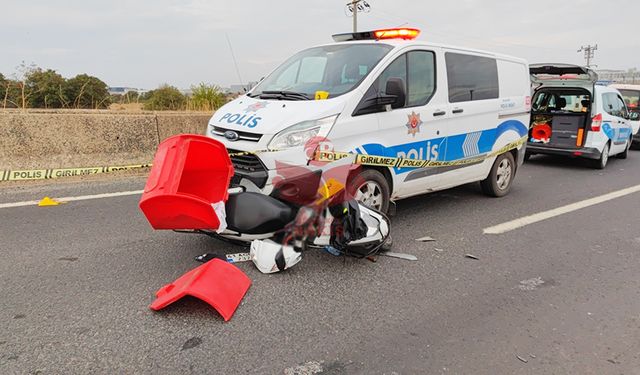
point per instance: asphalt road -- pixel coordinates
(562, 294)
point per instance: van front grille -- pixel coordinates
(242, 136)
(249, 166)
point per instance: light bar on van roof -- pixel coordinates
(399, 33)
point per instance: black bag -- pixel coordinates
(347, 225)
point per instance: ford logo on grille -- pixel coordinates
(231, 135)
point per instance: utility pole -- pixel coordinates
(354, 6)
(589, 53)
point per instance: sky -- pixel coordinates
(146, 43)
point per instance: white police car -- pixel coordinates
(631, 96)
(384, 94)
(573, 116)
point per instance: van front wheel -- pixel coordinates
(371, 189)
(501, 176)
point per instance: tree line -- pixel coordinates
(34, 87)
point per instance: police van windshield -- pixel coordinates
(632, 98)
(321, 72)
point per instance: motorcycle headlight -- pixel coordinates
(300, 133)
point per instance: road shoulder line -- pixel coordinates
(72, 199)
(544, 215)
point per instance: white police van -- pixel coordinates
(573, 116)
(382, 93)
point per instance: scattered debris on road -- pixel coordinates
(438, 250)
(231, 258)
(531, 284)
(471, 256)
(522, 359)
(425, 239)
(191, 343)
(399, 255)
(309, 368)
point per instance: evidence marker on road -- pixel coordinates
(48, 202)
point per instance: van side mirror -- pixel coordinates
(373, 101)
(634, 116)
(395, 87)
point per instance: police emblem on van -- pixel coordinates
(256, 106)
(231, 135)
(413, 125)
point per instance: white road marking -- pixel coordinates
(531, 219)
(71, 199)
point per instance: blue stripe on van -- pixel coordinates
(456, 147)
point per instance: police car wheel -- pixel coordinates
(500, 179)
(625, 153)
(371, 189)
(604, 158)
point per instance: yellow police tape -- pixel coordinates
(372, 160)
(384, 161)
(45, 174)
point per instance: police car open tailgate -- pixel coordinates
(563, 75)
(190, 175)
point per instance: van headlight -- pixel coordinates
(300, 133)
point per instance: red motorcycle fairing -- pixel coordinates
(190, 173)
(218, 283)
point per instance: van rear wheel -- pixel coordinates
(604, 158)
(500, 179)
(371, 189)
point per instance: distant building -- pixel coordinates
(123, 90)
(241, 89)
(631, 76)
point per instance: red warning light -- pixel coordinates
(402, 33)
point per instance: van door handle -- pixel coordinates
(456, 111)
(439, 113)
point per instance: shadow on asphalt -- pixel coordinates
(437, 200)
(564, 162)
(189, 308)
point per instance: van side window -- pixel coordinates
(421, 77)
(471, 77)
(417, 69)
(397, 69)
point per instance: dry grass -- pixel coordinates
(126, 107)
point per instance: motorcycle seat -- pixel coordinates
(254, 213)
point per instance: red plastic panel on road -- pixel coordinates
(218, 283)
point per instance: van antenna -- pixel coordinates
(233, 56)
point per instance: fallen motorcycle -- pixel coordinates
(189, 189)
